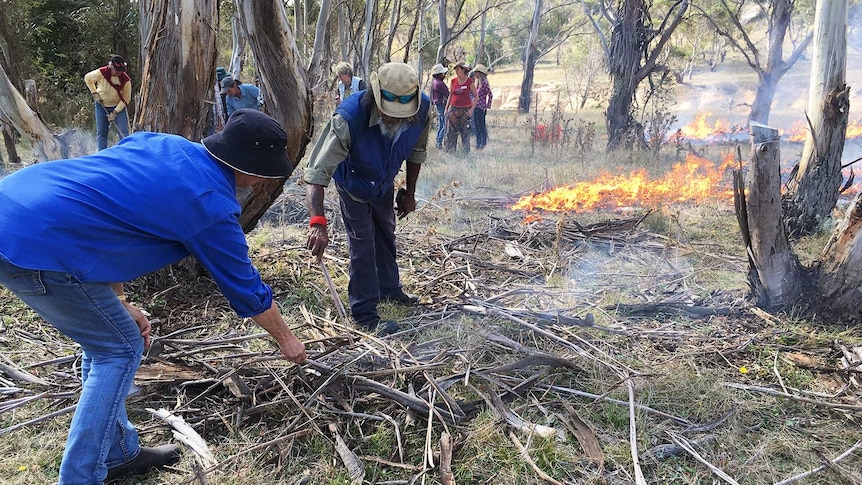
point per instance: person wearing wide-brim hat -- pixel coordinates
(462, 103)
(362, 148)
(483, 104)
(439, 96)
(74, 230)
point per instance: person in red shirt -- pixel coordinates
(462, 102)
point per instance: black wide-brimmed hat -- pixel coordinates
(251, 143)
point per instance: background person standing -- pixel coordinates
(111, 88)
(462, 102)
(439, 96)
(347, 82)
(240, 95)
(483, 104)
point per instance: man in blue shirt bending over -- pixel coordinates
(74, 230)
(240, 95)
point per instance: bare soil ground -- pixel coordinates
(578, 348)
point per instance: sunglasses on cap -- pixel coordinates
(403, 99)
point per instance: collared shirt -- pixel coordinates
(333, 146)
(486, 97)
(97, 83)
(149, 201)
(250, 99)
(439, 92)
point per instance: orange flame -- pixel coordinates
(700, 129)
(694, 179)
(800, 129)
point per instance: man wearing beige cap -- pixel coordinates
(362, 148)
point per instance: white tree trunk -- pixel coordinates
(343, 33)
(238, 43)
(444, 30)
(316, 75)
(366, 46)
(815, 188)
(299, 27)
(15, 111)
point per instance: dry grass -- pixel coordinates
(689, 254)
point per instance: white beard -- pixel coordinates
(391, 130)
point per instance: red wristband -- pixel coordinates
(317, 221)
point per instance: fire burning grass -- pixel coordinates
(704, 130)
(695, 179)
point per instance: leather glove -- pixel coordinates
(97, 98)
(112, 116)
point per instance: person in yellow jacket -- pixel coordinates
(112, 90)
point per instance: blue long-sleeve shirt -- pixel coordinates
(250, 99)
(118, 214)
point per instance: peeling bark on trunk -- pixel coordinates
(776, 274)
(15, 112)
(285, 84)
(626, 51)
(632, 56)
(814, 190)
(9, 143)
(840, 275)
(178, 48)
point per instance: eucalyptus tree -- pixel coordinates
(552, 23)
(633, 43)
(814, 189)
(178, 49)
(759, 32)
(15, 112)
(284, 82)
(457, 17)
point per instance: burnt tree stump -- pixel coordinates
(774, 273)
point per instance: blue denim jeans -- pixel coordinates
(373, 271)
(101, 435)
(441, 124)
(480, 128)
(121, 123)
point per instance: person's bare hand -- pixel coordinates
(142, 321)
(406, 205)
(293, 350)
(318, 239)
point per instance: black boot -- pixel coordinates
(400, 297)
(381, 328)
(148, 458)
